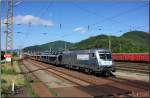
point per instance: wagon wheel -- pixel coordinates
(90, 71)
(107, 73)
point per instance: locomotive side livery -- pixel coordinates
(92, 60)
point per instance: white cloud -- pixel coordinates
(32, 19)
(80, 30)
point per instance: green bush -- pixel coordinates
(8, 71)
(28, 82)
(3, 81)
(6, 91)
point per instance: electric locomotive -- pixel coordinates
(92, 60)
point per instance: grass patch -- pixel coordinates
(7, 69)
(28, 84)
(57, 82)
(54, 93)
(31, 92)
(3, 81)
(10, 73)
(6, 90)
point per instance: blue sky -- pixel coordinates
(39, 22)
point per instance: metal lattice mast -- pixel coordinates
(9, 25)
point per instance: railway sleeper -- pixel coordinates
(114, 95)
(88, 71)
(103, 73)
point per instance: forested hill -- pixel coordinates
(56, 45)
(134, 41)
(139, 38)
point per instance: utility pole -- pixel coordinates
(88, 27)
(0, 31)
(120, 48)
(9, 25)
(0, 42)
(9, 32)
(109, 42)
(65, 46)
(20, 51)
(50, 49)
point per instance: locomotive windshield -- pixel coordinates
(105, 55)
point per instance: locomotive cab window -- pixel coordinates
(102, 56)
(105, 55)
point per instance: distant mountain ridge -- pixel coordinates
(56, 45)
(134, 41)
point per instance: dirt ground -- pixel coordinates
(132, 75)
(57, 86)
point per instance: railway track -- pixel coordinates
(137, 70)
(43, 91)
(104, 90)
(143, 65)
(137, 67)
(120, 87)
(73, 91)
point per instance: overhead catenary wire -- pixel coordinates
(41, 14)
(86, 10)
(89, 26)
(45, 10)
(18, 2)
(71, 34)
(108, 18)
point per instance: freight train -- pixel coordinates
(97, 61)
(131, 57)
